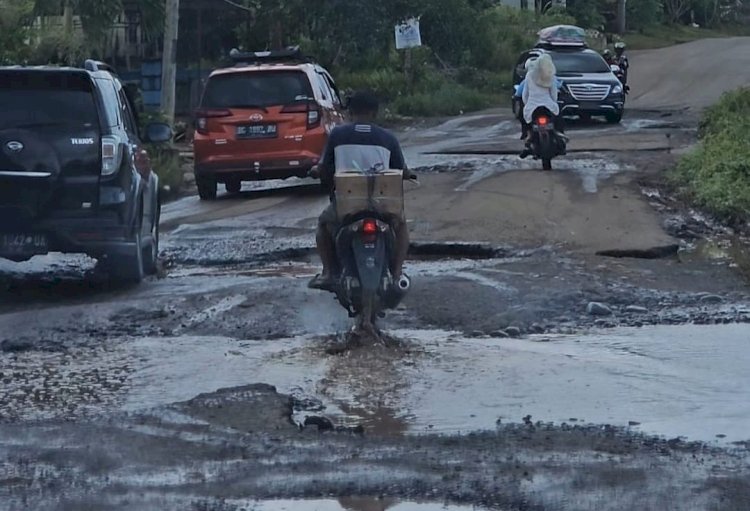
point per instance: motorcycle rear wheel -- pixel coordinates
(546, 164)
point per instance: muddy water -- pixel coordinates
(353, 504)
(674, 381)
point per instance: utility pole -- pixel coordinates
(621, 13)
(169, 59)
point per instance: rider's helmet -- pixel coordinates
(619, 47)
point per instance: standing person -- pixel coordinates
(359, 145)
(540, 92)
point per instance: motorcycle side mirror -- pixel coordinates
(614, 68)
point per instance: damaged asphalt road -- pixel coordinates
(573, 340)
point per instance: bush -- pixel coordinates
(449, 99)
(717, 174)
(165, 158)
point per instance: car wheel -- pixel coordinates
(233, 186)
(126, 265)
(151, 250)
(206, 188)
(614, 118)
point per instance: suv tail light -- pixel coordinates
(202, 117)
(310, 107)
(111, 155)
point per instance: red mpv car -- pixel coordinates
(268, 117)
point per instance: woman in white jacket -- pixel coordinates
(540, 91)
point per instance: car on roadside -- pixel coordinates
(74, 176)
(589, 85)
(266, 117)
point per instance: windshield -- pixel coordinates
(31, 100)
(567, 63)
(256, 89)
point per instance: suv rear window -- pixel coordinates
(579, 63)
(256, 88)
(34, 99)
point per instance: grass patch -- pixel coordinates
(448, 99)
(716, 176)
(661, 36)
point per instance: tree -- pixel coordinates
(16, 17)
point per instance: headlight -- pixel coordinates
(617, 89)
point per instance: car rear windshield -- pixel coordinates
(38, 99)
(567, 63)
(256, 88)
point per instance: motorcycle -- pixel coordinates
(546, 143)
(365, 245)
(619, 73)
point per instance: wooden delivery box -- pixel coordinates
(386, 187)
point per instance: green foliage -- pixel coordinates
(165, 158)
(717, 174)
(15, 19)
(449, 99)
(642, 14)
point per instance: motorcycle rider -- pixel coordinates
(609, 57)
(519, 94)
(358, 145)
(622, 60)
(540, 92)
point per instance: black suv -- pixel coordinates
(589, 85)
(74, 176)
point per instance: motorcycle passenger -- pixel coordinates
(609, 57)
(519, 94)
(357, 146)
(540, 92)
(622, 60)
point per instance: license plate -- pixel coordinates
(257, 131)
(589, 105)
(23, 244)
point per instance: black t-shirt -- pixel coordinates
(362, 147)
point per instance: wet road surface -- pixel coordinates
(524, 371)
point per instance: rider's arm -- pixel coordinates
(327, 165)
(397, 159)
(553, 91)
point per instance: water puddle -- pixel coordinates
(734, 251)
(351, 504)
(685, 381)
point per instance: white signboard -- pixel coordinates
(407, 35)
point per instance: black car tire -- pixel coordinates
(126, 267)
(613, 118)
(151, 250)
(206, 188)
(233, 186)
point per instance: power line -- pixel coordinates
(239, 6)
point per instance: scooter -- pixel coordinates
(365, 245)
(546, 143)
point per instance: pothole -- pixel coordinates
(352, 504)
(659, 252)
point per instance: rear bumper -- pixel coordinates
(94, 235)
(256, 170)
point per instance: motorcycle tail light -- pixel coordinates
(543, 121)
(370, 227)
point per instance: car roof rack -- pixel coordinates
(562, 36)
(95, 65)
(292, 54)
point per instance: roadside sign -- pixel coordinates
(407, 34)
